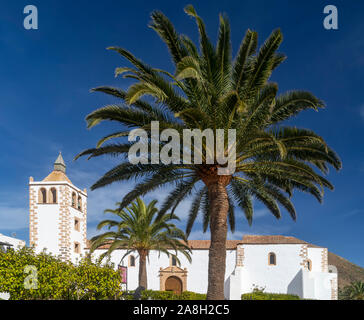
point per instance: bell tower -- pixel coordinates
(57, 214)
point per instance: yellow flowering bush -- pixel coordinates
(27, 276)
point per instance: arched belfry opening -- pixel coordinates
(53, 195)
(42, 195)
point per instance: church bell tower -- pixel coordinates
(57, 214)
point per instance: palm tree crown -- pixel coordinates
(139, 229)
(210, 89)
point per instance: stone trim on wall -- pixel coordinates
(304, 256)
(33, 218)
(84, 223)
(240, 256)
(180, 273)
(324, 260)
(334, 289)
(64, 223)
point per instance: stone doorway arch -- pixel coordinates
(174, 284)
(173, 279)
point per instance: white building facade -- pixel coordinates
(10, 242)
(277, 264)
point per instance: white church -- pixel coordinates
(279, 264)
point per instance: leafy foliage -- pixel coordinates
(139, 228)
(355, 291)
(57, 280)
(169, 295)
(211, 89)
(268, 296)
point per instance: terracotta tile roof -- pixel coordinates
(275, 239)
(205, 244)
(57, 176)
(193, 244)
(247, 239)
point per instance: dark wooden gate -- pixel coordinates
(174, 284)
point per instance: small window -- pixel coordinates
(42, 195)
(79, 203)
(173, 261)
(77, 247)
(74, 199)
(131, 261)
(53, 195)
(272, 260)
(309, 265)
(77, 224)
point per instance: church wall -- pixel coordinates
(315, 255)
(323, 285)
(279, 278)
(45, 222)
(197, 271)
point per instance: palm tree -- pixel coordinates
(211, 90)
(355, 291)
(139, 228)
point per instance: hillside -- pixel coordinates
(347, 271)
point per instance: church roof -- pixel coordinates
(57, 176)
(59, 171)
(275, 239)
(247, 239)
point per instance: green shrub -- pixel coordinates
(188, 295)
(268, 296)
(57, 280)
(166, 295)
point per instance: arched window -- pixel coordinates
(79, 203)
(74, 199)
(131, 261)
(77, 247)
(272, 259)
(53, 195)
(77, 224)
(309, 264)
(42, 197)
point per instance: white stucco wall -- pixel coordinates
(280, 278)
(315, 255)
(287, 276)
(197, 275)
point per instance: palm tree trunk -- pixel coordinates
(219, 206)
(143, 281)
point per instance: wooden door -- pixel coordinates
(174, 284)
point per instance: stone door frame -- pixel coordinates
(180, 273)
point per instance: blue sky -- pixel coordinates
(46, 75)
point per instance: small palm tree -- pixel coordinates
(211, 90)
(140, 229)
(355, 291)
